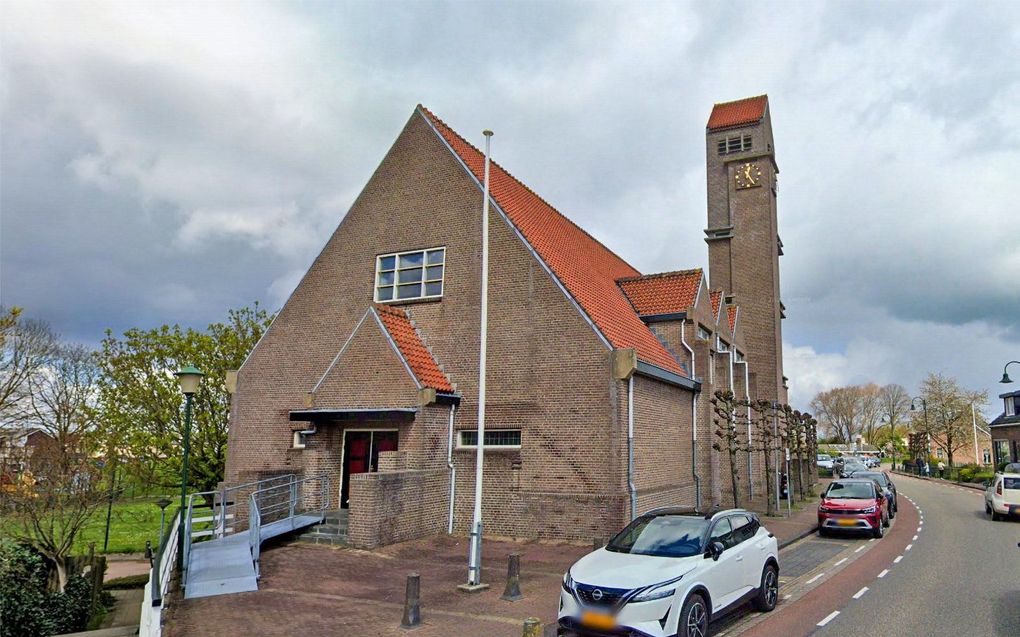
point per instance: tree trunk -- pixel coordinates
(770, 487)
(61, 564)
(734, 476)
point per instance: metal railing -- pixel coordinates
(159, 581)
(284, 502)
(221, 519)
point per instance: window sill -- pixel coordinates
(431, 299)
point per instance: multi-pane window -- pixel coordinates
(723, 346)
(736, 144)
(493, 438)
(404, 276)
(703, 333)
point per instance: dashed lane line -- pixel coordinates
(897, 560)
(831, 616)
(860, 549)
(913, 539)
(909, 546)
(841, 561)
(860, 593)
(815, 578)
(883, 573)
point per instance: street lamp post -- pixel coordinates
(927, 430)
(1005, 377)
(189, 378)
(162, 503)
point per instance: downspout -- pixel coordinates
(630, 447)
(694, 422)
(747, 397)
(452, 468)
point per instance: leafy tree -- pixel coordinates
(727, 430)
(141, 403)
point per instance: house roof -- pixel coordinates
(663, 293)
(412, 348)
(1004, 420)
(586, 269)
(716, 298)
(731, 317)
(738, 113)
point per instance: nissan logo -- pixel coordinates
(596, 594)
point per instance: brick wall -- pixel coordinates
(397, 506)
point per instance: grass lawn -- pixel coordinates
(131, 523)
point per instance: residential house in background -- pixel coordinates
(1006, 430)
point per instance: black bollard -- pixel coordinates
(412, 602)
(512, 592)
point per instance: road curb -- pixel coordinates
(800, 536)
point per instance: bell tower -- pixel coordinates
(742, 234)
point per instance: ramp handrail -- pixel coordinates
(222, 512)
(150, 624)
(258, 510)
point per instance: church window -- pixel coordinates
(404, 276)
(735, 144)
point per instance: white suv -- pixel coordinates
(670, 572)
(1002, 495)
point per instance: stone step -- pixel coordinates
(319, 538)
(330, 528)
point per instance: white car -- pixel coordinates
(669, 573)
(1002, 495)
(824, 461)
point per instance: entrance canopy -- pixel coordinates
(333, 415)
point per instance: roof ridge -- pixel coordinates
(525, 186)
(742, 99)
(660, 275)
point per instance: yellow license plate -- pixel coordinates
(598, 621)
(846, 522)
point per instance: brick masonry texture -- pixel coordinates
(550, 376)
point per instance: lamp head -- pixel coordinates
(1005, 378)
(162, 503)
(189, 378)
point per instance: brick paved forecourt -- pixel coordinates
(319, 590)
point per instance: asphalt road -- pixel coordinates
(961, 575)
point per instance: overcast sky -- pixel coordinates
(163, 163)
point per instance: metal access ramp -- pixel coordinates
(219, 559)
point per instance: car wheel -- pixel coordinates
(892, 512)
(693, 618)
(768, 592)
(822, 532)
(988, 509)
(887, 521)
(995, 516)
(878, 531)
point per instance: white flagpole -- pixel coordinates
(475, 550)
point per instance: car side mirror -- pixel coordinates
(715, 550)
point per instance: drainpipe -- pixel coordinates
(747, 397)
(453, 469)
(630, 447)
(694, 422)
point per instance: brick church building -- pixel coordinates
(369, 372)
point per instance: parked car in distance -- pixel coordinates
(884, 481)
(872, 461)
(851, 466)
(824, 462)
(1002, 495)
(669, 573)
(853, 504)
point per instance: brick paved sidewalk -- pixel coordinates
(320, 590)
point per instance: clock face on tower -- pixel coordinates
(747, 176)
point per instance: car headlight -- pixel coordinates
(568, 582)
(870, 510)
(822, 509)
(653, 594)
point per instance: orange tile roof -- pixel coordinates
(663, 293)
(716, 298)
(411, 347)
(731, 318)
(738, 113)
(586, 268)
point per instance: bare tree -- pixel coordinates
(839, 412)
(869, 409)
(949, 412)
(728, 432)
(895, 404)
(767, 442)
(62, 485)
(25, 348)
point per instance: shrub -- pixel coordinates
(23, 593)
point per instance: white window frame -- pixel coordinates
(702, 330)
(721, 345)
(461, 445)
(396, 275)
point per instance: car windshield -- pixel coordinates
(823, 456)
(850, 491)
(662, 536)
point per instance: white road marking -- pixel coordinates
(812, 580)
(860, 593)
(841, 561)
(921, 522)
(872, 540)
(859, 550)
(914, 538)
(829, 618)
(909, 546)
(897, 560)
(787, 596)
(884, 573)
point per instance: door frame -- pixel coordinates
(343, 453)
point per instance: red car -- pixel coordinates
(853, 505)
